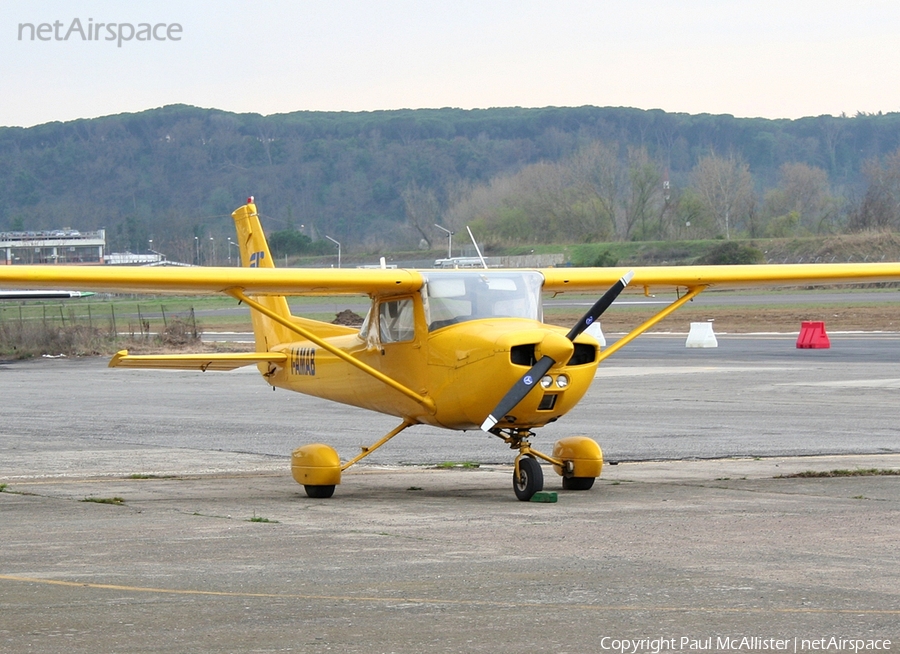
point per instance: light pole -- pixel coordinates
(339, 248)
(449, 240)
(230, 243)
(212, 242)
(197, 248)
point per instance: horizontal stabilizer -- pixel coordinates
(203, 362)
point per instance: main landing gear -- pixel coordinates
(578, 459)
(318, 467)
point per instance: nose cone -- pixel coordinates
(557, 347)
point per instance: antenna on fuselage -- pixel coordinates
(477, 249)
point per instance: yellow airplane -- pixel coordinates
(459, 349)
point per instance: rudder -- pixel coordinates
(255, 254)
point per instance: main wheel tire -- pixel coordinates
(530, 479)
(578, 483)
(319, 492)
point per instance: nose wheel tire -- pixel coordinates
(530, 479)
(577, 483)
(319, 492)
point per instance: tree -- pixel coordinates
(643, 202)
(725, 187)
(422, 210)
(803, 197)
(594, 173)
(289, 242)
(880, 207)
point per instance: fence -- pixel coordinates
(79, 327)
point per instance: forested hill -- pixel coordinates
(381, 179)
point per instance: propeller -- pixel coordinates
(522, 387)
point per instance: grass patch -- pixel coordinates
(105, 500)
(457, 464)
(3, 487)
(858, 472)
(259, 518)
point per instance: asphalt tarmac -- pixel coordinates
(696, 534)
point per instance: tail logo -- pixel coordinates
(256, 259)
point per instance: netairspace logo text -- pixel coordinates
(743, 644)
(91, 31)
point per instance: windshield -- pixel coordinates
(452, 297)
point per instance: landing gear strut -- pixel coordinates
(528, 478)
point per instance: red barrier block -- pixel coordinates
(813, 336)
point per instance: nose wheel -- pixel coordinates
(528, 478)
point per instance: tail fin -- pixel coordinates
(255, 254)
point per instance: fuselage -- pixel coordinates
(462, 341)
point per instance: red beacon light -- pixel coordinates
(250, 200)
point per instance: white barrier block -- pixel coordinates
(701, 335)
(595, 331)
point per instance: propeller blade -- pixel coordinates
(519, 390)
(522, 387)
(600, 306)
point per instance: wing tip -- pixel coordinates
(117, 358)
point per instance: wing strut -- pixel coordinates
(644, 326)
(425, 401)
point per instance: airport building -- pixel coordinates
(63, 246)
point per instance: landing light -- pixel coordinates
(562, 381)
(546, 380)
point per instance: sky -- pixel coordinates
(773, 59)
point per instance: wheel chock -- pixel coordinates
(701, 335)
(548, 497)
(813, 336)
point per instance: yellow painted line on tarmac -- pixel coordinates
(432, 601)
(198, 476)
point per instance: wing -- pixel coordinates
(691, 277)
(201, 280)
(695, 279)
(303, 281)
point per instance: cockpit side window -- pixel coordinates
(396, 321)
